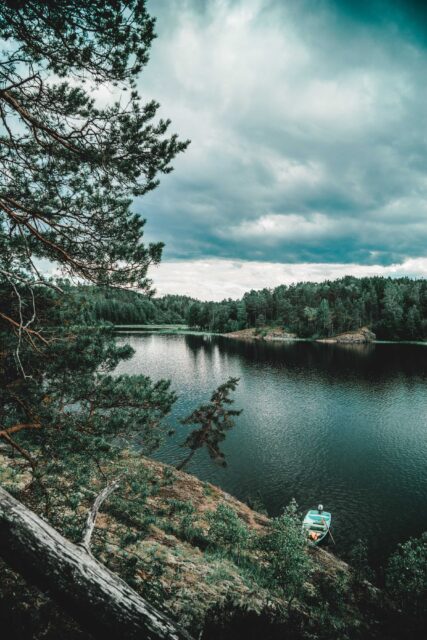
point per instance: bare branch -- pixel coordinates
(93, 513)
(24, 453)
(29, 331)
(19, 427)
(35, 123)
(97, 598)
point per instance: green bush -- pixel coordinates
(286, 546)
(191, 532)
(406, 576)
(180, 506)
(227, 529)
(358, 559)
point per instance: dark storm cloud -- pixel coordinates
(408, 16)
(308, 128)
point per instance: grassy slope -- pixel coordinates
(181, 571)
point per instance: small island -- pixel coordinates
(279, 334)
(360, 336)
(271, 334)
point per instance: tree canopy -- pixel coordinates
(392, 308)
(77, 146)
(71, 161)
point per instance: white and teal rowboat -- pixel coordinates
(316, 525)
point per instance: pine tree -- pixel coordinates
(215, 419)
(324, 318)
(70, 170)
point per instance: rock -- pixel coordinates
(264, 333)
(360, 336)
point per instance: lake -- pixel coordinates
(345, 425)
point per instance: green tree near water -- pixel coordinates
(324, 317)
(214, 420)
(358, 558)
(71, 167)
(392, 308)
(290, 566)
(406, 577)
(227, 529)
(70, 171)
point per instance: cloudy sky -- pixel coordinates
(308, 122)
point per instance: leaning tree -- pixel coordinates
(77, 146)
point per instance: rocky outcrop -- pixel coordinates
(277, 334)
(360, 336)
(270, 334)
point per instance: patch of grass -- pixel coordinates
(208, 490)
(168, 476)
(227, 529)
(219, 574)
(180, 506)
(154, 565)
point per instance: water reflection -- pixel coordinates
(343, 424)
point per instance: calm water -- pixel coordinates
(344, 425)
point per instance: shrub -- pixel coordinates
(180, 506)
(256, 503)
(358, 559)
(191, 532)
(406, 576)
(227, 529)
(289, 563)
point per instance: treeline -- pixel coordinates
(128, 307)
(392, 308)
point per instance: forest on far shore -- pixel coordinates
(395, 309)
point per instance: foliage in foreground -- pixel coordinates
(406, 577)
(193, 550)
(71, 167)
(286, 546)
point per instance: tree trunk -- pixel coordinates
(186, 460)
(95, 597)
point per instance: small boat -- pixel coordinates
(316, 525)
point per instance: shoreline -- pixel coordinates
(147, 329)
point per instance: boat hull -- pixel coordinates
(316, 526)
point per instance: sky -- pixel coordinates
(308, 129)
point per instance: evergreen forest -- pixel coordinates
(394, 309)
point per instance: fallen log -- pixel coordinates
(94, 596)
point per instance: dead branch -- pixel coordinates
(96, 597)
(93, 513)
